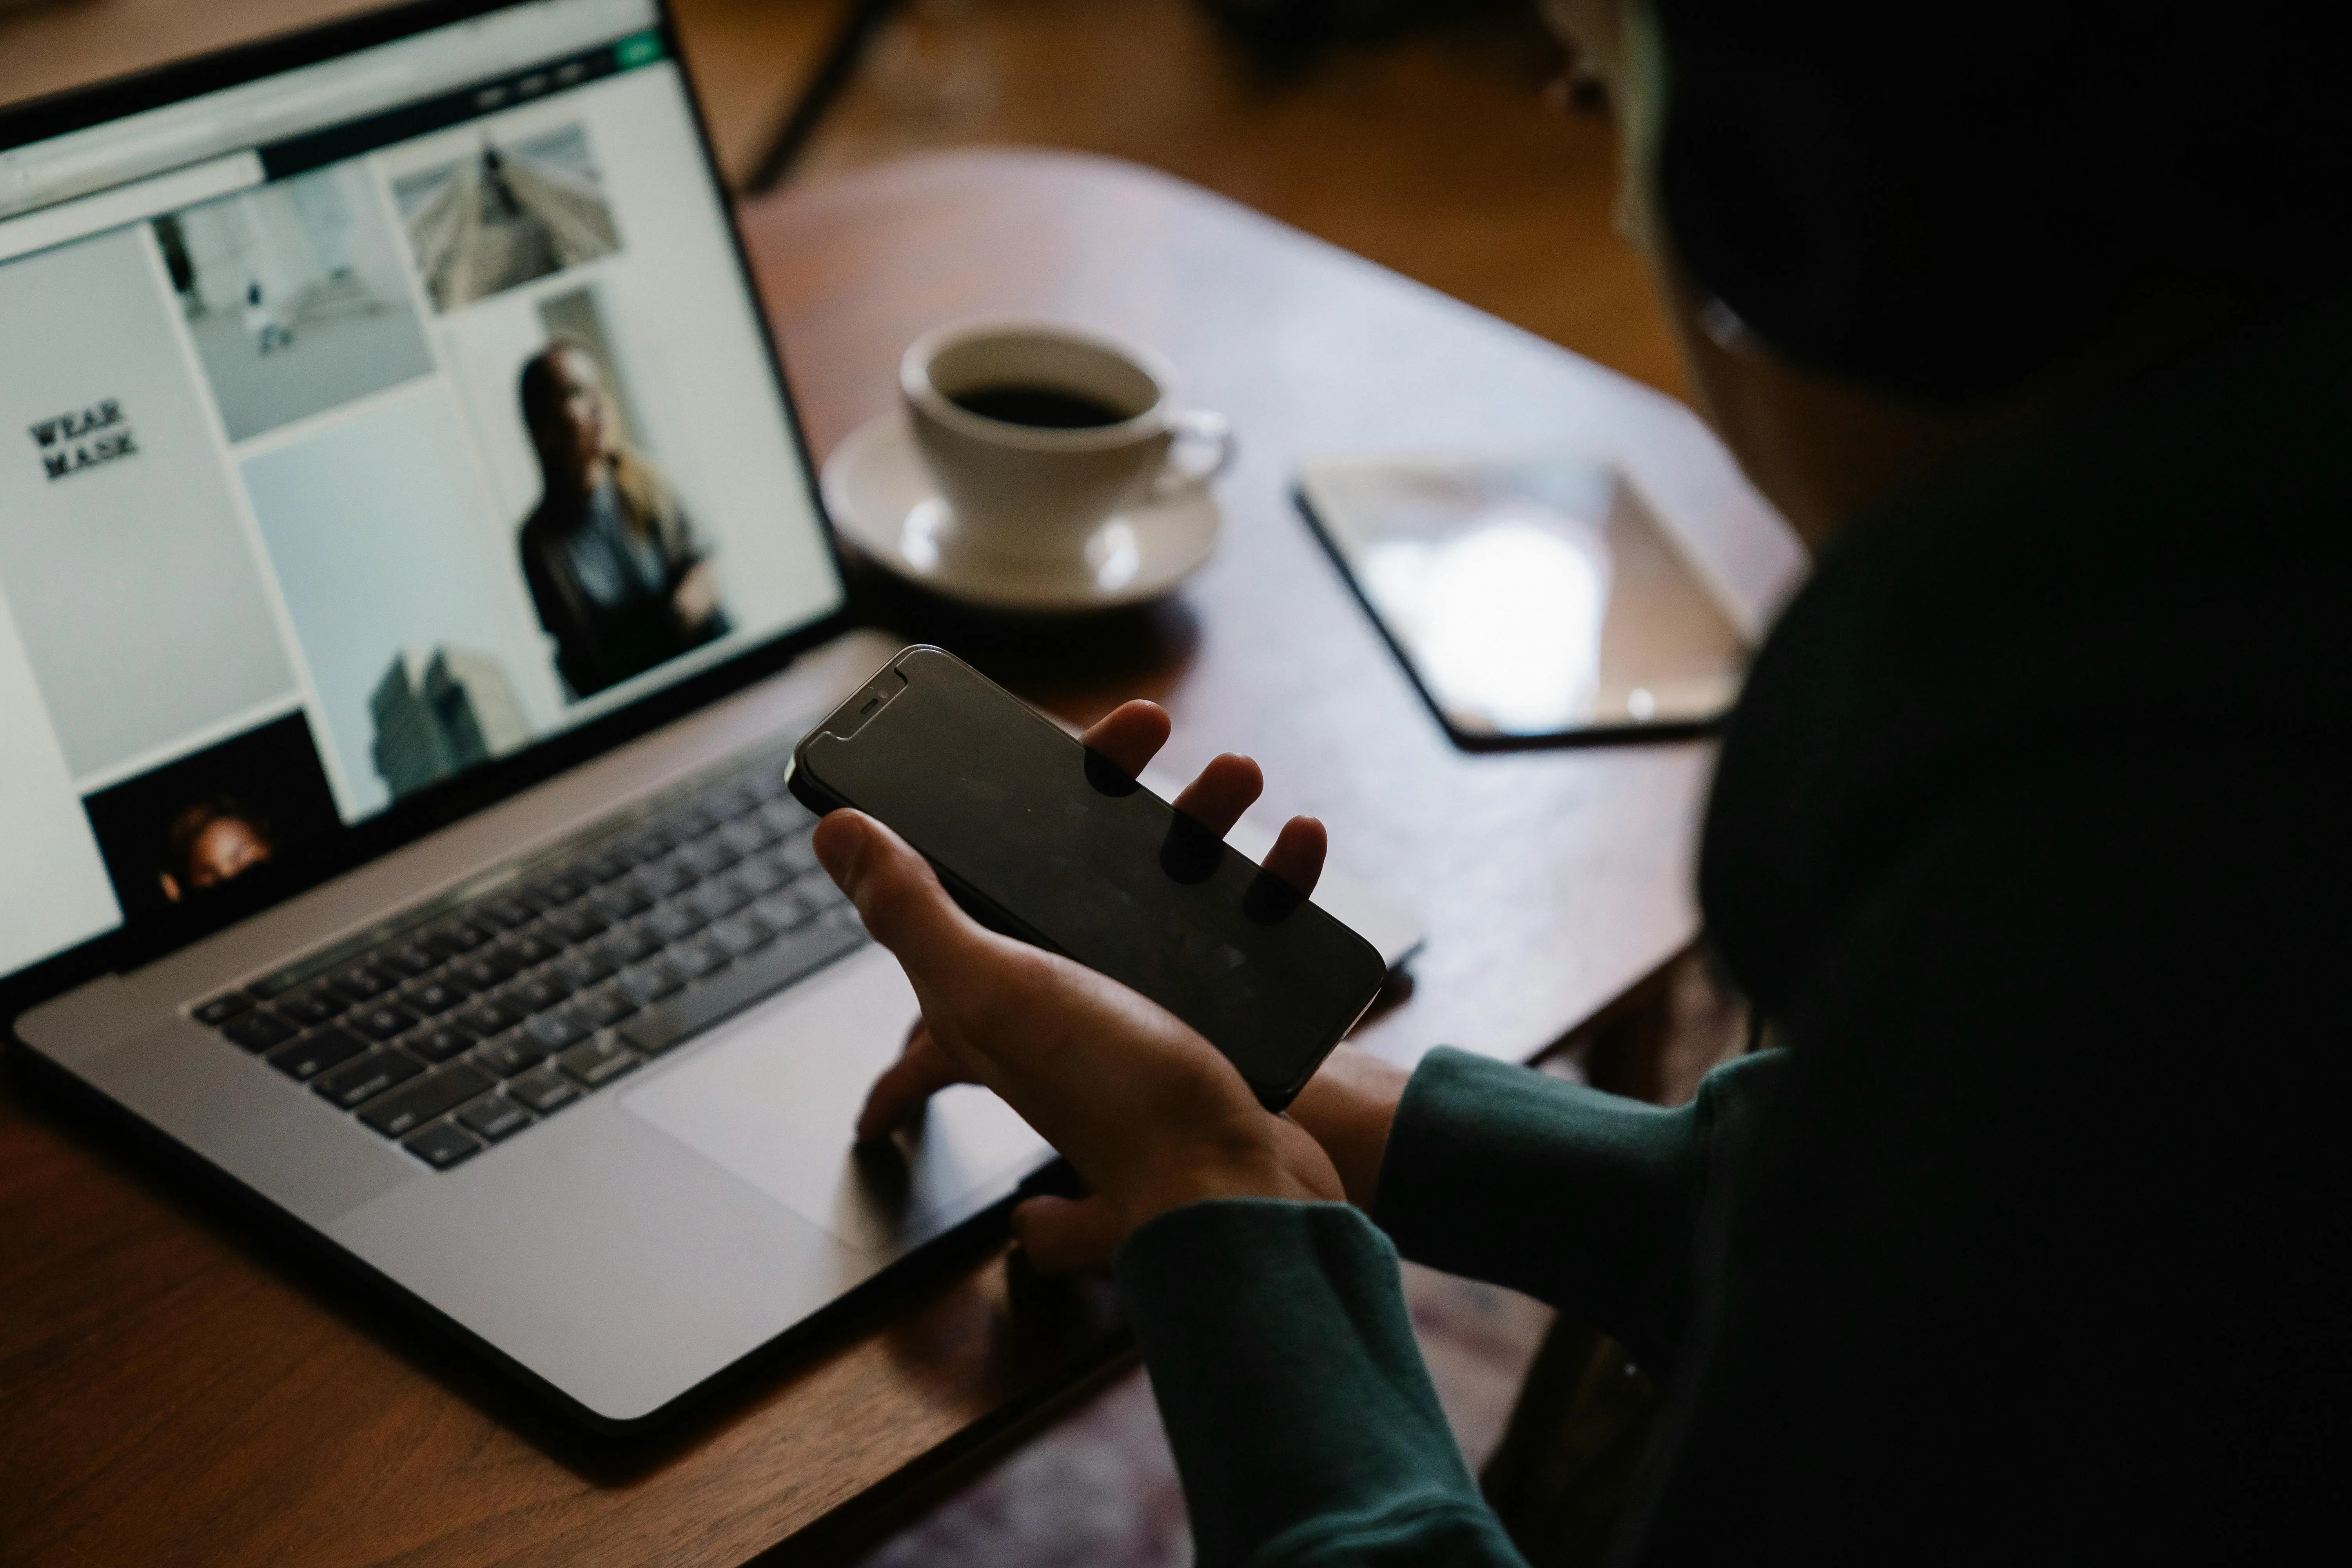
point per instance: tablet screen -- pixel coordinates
(1530, 601)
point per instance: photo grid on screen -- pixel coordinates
(330, 489)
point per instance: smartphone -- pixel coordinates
(1043, 840)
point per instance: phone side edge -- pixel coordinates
(1278, 1100)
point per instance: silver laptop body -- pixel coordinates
(639, 1237)
(532, 1004)
(394, 822)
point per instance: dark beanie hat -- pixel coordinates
(1941, 200)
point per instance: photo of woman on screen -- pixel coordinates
(619, 577)
(212, 842)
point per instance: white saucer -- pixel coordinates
(882, 501)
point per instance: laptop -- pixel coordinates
(412, 584)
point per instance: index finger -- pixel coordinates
(899, 1094)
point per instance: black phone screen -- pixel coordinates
(1044, 840)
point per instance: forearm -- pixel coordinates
(1302, 1419)
(1585, 1200)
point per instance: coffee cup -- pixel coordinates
(1035, 433)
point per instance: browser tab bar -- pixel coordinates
(351, 138)
(284, 107)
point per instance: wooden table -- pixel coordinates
(180, 1383)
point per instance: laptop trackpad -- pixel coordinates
(771, 1096)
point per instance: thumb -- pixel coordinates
(896, 893)
(1067, 1235)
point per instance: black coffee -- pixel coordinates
(1044, 407)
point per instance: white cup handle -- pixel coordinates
(1203, 428)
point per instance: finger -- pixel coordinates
(1297, 856)
(896, 893)
(1128, 736)
(1067, 1235)
(1223, 791)
(898, 1096)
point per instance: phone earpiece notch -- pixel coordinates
(858, 711)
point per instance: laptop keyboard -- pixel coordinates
(467, 1022)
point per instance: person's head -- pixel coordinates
(1880, 238)
(569, 415)
(209, 843)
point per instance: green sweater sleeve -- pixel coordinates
(1588, 1201)
(1302, 1419)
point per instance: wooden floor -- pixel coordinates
(1441, 153)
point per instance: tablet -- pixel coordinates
(1533, 601)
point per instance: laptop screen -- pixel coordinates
(363, 425)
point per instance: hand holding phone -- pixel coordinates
(1153, 1116)
(1041, 838)
(1129, 736)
